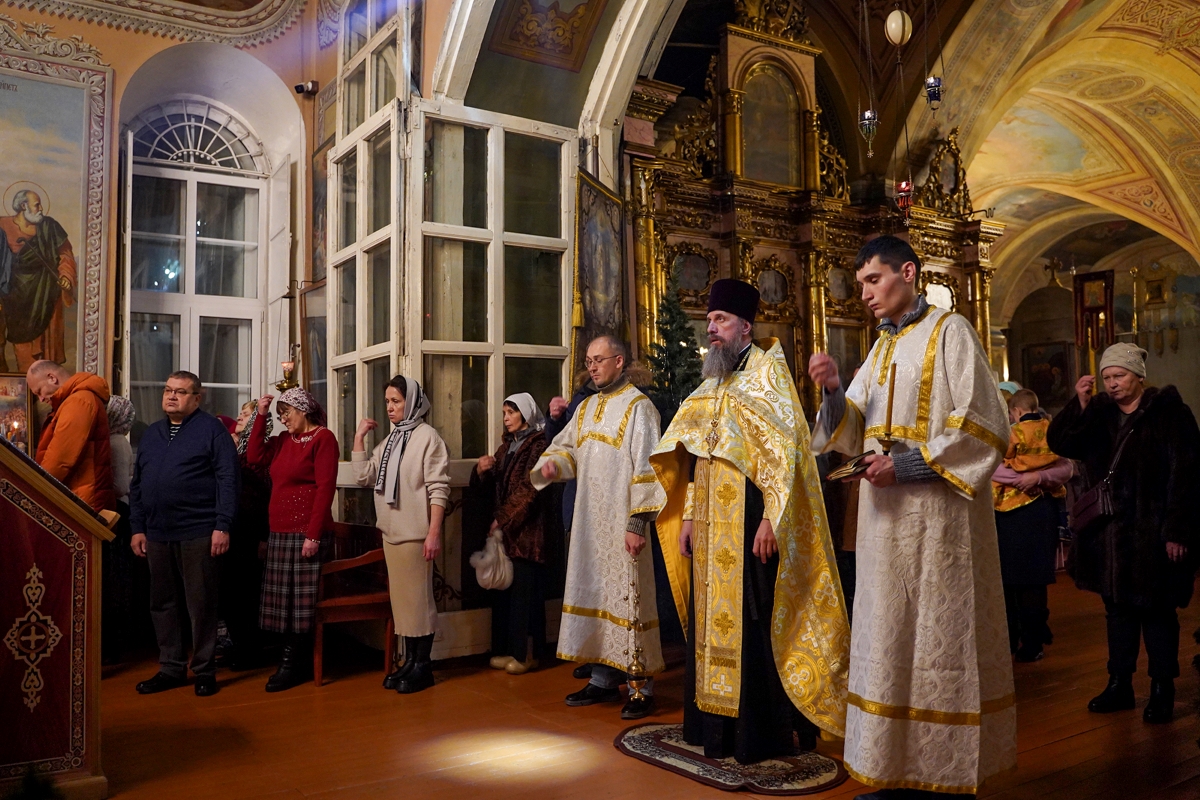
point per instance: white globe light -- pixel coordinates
(898, 27)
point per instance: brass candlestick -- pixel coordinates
(886, 440)
(637, 666)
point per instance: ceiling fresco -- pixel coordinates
(1091, 244)
(1026, 205)
(237, 22)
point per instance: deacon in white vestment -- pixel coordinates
(606, 450)
(930, 701)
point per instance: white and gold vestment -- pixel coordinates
(751, 425)
(606, 450)
(931, 702)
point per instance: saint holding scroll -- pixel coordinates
(931, 705)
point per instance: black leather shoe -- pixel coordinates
(1161, 708)
(636, 709)
(1117, 696)
(583, 672)
(592, 694)
(393, 680)
(161, 682)
(1028, 655)
(206, 685)
(417, 680)
(290, 672)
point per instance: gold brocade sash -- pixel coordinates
(717, 550)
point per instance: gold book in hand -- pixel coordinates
(854, 466)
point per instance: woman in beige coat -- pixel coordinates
(410, 471)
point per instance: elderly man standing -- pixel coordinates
(931, 703)
(606, 450)
(74, 446)
(748, 550)
(183, 501)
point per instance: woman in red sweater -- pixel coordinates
(303, 461)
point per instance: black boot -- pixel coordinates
(293, 666)
(393, 679)
(1161, 708)
(1117, 696)
(421, 675)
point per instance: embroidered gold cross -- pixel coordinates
(712, 438)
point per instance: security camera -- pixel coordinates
(308, 88)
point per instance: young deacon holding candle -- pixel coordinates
(931, 690)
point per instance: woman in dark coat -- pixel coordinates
(519, 612)
(1141, 560)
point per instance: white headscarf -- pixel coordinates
(416, 406)
(528, 408)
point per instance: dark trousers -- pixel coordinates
(1028, 611)
(519, 612)
(1128, 624)
(183, 585)
(241, 588)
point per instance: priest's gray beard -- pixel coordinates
(720, 360)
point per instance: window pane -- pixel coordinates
(226, 212)
(379, 212)
(314, 354)
(385, 75)
(227, 270)
(455, 290)
(153, 355)
(532, 296)
(531, 185)
(455, 174)
(158, 205)
(379, 264)
(224, 368)
(156, 264)
(347, 408)
(349, 204)
(354, 95)
(356, 27)
(347, 308)
(384, 10)
(457, 387)
(379, 372)
(541, 377)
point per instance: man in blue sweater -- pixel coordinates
(182, 503)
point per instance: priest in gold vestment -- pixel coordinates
(760, 599)
(931, 704)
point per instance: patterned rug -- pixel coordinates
(663, 746)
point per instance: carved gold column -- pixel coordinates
(645, 177)
(977, 263)
(731, 113)
(812, 151)
(818, 280)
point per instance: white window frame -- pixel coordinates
(421, 113)
(188, 305)
(365, 55)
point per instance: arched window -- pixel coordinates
(196, 132)
(195, 255)
(770, 127)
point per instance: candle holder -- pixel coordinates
(289, 372)
(868, 126)
(636, 668)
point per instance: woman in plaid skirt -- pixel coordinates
(303, 462)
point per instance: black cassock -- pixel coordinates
(766, 718)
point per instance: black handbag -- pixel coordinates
(1098, 502)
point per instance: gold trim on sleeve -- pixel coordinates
(981, 433)
(950, 477)
(651, 478)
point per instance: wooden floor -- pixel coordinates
(484, 734)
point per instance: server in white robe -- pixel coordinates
(930, 701)
(606, 450)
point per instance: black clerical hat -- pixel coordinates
(734, 297)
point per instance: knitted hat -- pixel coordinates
(1125, 356)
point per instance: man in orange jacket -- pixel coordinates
(74, 444)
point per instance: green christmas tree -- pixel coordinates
(675, 363)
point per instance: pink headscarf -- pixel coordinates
(305, 403)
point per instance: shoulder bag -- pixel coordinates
(1097, 502)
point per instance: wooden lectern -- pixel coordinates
(49, 630)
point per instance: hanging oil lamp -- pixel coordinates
(904, 198)
(933, 92)
(868, 126)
